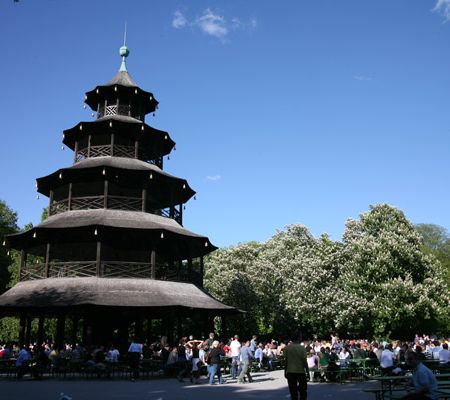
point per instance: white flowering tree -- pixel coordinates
(388, 285)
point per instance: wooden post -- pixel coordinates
(28, 331)
(23, 263)
(75, 152)
(179, 269)
(75, 320)
(153, 263)
(144, 200)
(149, 329)
(112, 144)
(47, 261)
(138, 328)
(181, 215)
(201, 271)
(40, 333)
(105, 194)
(69, 200)
(98, 259)
(136, 149)
(60, 325)
(50, 203)
(89, 145)
(22, 325)
(190, 269)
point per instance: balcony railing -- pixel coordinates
(108, 269)
(112, 203)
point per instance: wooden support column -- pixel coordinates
(138, 328)
(136, 149)
(105, 194)
(60, 327)
(112, 144)
(144, 200)
(181, 215)
(179, 328)
(50, 203)
(179, 269)
(23, 263)
(28, 331)
(47, 261)
(149, 331)
(89, 144)
(75, 152)
(201, 271)
(98, 259)
(40, 333)
(75, 320)
(22, 327)
(190, 269)
(153, 263)
(69, 199)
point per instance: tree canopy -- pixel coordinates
(378, 281)
(8, 225)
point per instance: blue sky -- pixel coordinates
(283, 112)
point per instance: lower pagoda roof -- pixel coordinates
(57, 293)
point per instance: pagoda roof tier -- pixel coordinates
(56, 293)
(129, 127)
(124, 87)
(170, 190)
(131, 228)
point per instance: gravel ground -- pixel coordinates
(266, 385)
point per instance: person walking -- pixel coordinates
(296, 369)
(215, 355)
(246, 359)
(235, 348)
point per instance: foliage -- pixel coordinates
(436, 241)
(8, 225)
(378, 281)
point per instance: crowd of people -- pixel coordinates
(191, 358)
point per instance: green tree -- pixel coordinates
(436, 241)
(388, 285)
(8, 225)
(228, 279)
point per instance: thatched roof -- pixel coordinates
(116, 219)
(111, 292)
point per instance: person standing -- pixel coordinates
(216, 354)
(235, 350)
(134, 357)
(296, 369)
(246, 359)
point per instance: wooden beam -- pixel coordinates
(105, 194)
(153, 263)
(98, 259)
(75, 152)
(136, 149)
(112, 144)
(50, 203)
(201, 271)
(47, 261)
(89, 145)
(23, 263)
(69, 201)
(144, 199)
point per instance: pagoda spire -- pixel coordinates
(124, 52)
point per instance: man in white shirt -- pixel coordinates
(235, 349)
(444, 354)
(387, 360)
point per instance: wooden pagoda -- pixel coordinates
(113, 252)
